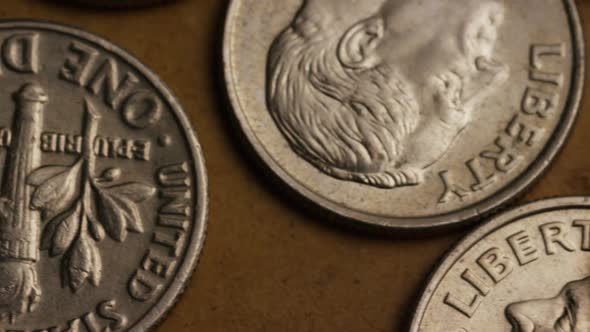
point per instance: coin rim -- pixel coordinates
(397, 224)
(152, 317)
(454, 254)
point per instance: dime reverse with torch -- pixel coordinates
(103, 194)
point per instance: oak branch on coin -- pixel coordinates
(80, 209)
(364, 94)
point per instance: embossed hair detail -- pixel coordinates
(365, 96)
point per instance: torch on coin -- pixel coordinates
(32, 194)
(19, 225)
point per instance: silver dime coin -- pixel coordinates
(527, 270)
(103, 190)
(403, 114)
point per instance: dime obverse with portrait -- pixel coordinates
(103, 190)
(526, 270)
(401, 114)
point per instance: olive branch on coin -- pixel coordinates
(79, 209)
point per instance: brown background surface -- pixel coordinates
(268, 265)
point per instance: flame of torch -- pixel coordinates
(19, 225)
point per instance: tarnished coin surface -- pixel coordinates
(527, 270)
(404, 114)
(103, 188)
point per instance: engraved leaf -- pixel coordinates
(49, 232)
(80, 263)
(136, 192)
(110, 175)
(92, 202)
(130, 213)
(51, 227)
(65, 232)
(112, 217)
(95, 228)
(42, 174)
(96, 267)
(59, 191)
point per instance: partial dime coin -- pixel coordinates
(103, 196)
(402, 114)
(526, 270)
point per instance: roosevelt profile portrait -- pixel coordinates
(569, 311)
(377, 91)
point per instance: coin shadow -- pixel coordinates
(411, 304)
